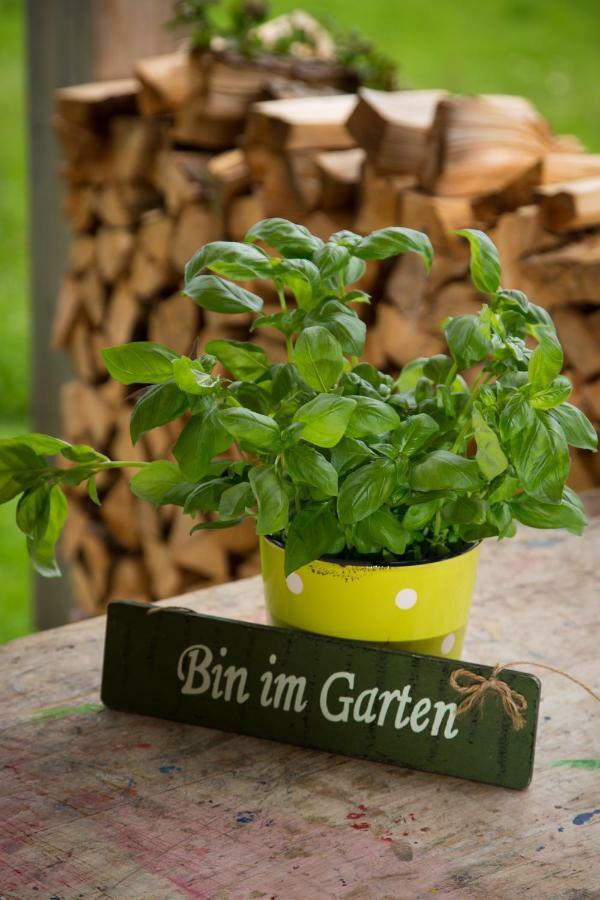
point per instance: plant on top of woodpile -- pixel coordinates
(325, 452)
(243, 26)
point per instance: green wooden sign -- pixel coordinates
(314, 691)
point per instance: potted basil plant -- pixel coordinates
(371, 494)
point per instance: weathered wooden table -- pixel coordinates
(95, 803)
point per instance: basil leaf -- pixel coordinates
(385, 530)
(331, 259)
(158, 405)
(349, 453)
(42, 549)
(220, 296)
(344, 325)
(206, 496)
(158, 481)
(568, 513)
(365, 490)
(465, 511)
(485, 265)
(191, 378)
(235, 500)
(313, 532)
(245, 361)
(306, 465)
(414, 432)
(81, 453)
(371, 417)
(541, 457)
(318, 357)
(546, 361)
(40, 444)
(466, 341)
(419, 514)
(142, 362)
(251, 428)
(202, 438)
(325, 419)
(33, 511)
(490, 456)
(238, 261)
(445, 471)
(271, 497)
(553, 395)
(391, 241)
(577, 428)
(291, 240)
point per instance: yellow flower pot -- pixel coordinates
(421, 607)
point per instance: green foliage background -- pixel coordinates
(544, 49)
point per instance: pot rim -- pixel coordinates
(366, 564)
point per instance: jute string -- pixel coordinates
(474, 688)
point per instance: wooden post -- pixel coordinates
(68, 42)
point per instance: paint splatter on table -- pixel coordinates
(100, 804)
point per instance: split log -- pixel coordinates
(515, 235)
(230, 175)
(455, 299)
(92, 293)
(591, 399)
(80, 206)
(201, 553)
(196, 225)
(122, 447)
(86, 153)
(175, 322)
(393, 127)
(476, 145)
(569, 274)
(92, 105)
(519, 190)
(243, 213)
(305, 123)
(165, 578)
(438, 217)
(181, 178)
(407, 286)
(164, 83)
(134, 142)
(79, 351)
(195, 128)
(121, 205)
(559, 167)
(129, 579)
(569, 204)
(340, 175)
(82, 253)
(581, 477)
(380, 196)
(68, 307)
(119, 514)
(122, 314)
(114, 248)
(402, 340)
(580, 341)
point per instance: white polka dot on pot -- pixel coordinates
(406, 598)
(448, 643)
(294, 583)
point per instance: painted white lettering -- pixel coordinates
(267, 680)
(293, 688)
(420, 709)
(345, 701)
(367, 699)
(195, 667)
(441, 709)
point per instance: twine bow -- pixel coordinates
(514, 703)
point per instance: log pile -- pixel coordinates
(197, 148)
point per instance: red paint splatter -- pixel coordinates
(363, 807)
(131, 791)
(355, 815)
(360, 825)
(386, 839)
(143, 745)
(424, 829)
(405, 834)
(413, 817)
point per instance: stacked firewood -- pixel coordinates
(197, 148)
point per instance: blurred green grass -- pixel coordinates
(15, 612)
(543, 49)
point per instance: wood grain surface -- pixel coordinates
(101, 804)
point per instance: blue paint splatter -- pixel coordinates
(582, 818)
(130, 782)
(537, 849)
(547, 718)
(169, 770)
(244, 817)
(343, 882)
(561, 828)
(263, 781)
(295, 867)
